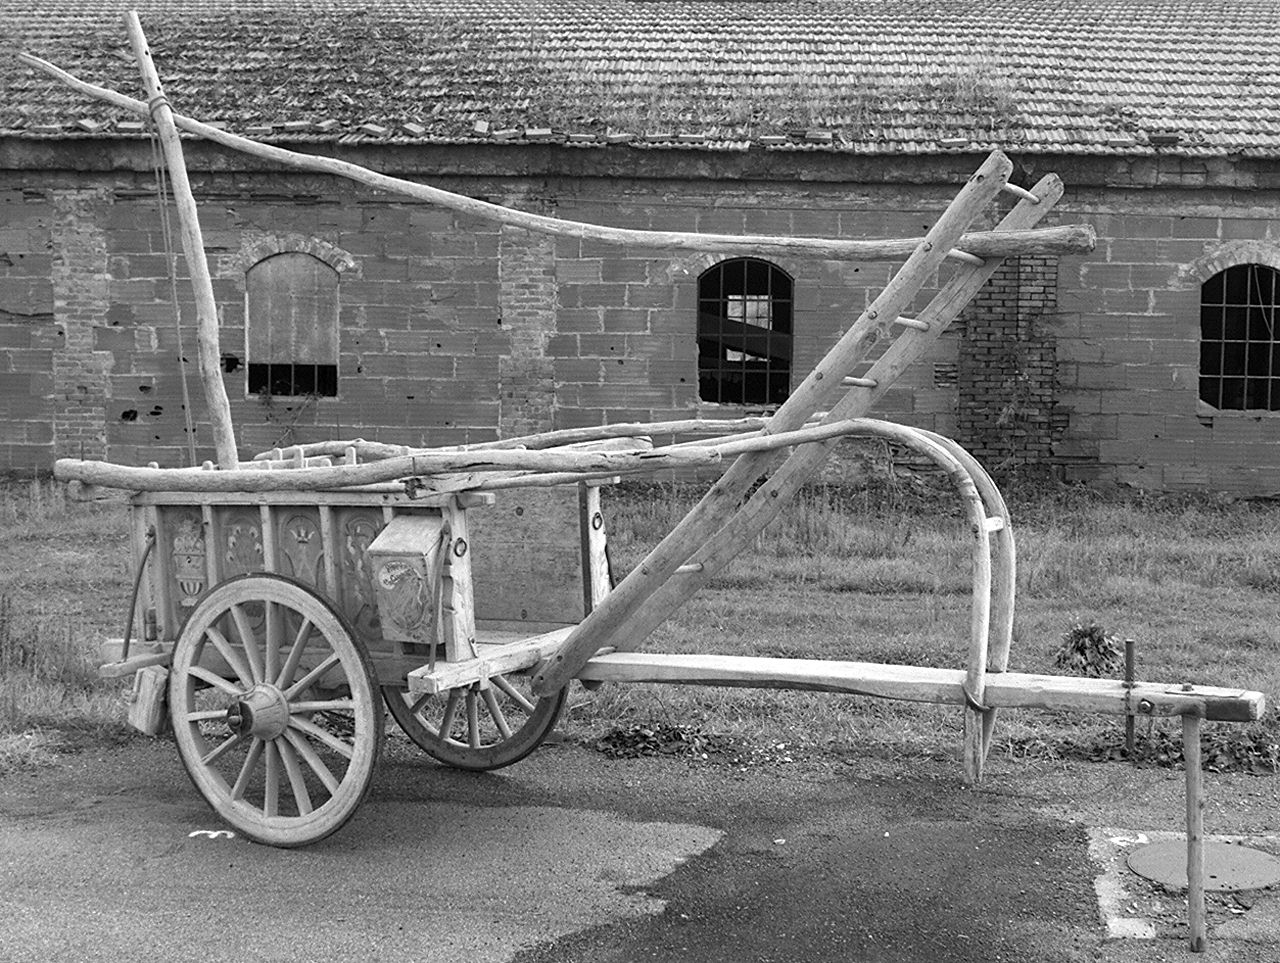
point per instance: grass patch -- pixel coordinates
(875, 573)
(62, 589)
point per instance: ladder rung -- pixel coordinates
(1021, 192)
(993, 524)
(852, 382)
(912, 323)
(688, 568)
(958, 255)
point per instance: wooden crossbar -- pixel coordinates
(913, 683)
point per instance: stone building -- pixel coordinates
(347, 312)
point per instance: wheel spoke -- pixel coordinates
(312, 676)
(328, 738)
(204, 675)
(473, 720)
(513, 693)
(225, 649)
(326, 705)
(303, 748)
(499, 720)
(295, 654)
(246, 771)
(216, 753)
(296, 780)
(450, 710)
(206, 715)
(271, 790)
(249, 640)
(271, 658)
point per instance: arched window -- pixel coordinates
(744, 333)
(1239, 350)
(291, 320)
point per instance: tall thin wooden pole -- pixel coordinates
(208, 353)
(1195, 832)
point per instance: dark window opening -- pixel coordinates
(293, 379)
(1239, 351)
(744, 333)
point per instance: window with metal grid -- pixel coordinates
(291, 320)
(744, 333)
(1239, 351)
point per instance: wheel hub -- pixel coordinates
(263, 711)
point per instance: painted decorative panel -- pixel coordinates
(301, 546)
(355, 529)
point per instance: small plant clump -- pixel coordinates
(1088, 650)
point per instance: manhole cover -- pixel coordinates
(1226, 867)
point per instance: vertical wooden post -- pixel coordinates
(208, 353)
(1195, 832)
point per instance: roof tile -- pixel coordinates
(878, 76)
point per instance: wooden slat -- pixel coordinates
(270, 558)
(913, 683)
(491, 660)
(292, 310)
(459, 606)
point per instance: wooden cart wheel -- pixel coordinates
(275, 709)
(479, 727)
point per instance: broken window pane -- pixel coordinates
(1239, 352)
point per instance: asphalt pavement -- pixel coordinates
(571, 856)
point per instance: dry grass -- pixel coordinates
(877, 573)
(882, 575)
(62, 585)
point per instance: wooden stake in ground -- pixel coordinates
(209, 355)
(1195, 832)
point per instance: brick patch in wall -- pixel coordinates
(1006, 371)
(527, 273)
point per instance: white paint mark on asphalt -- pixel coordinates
(212, 834)
(1108, 849)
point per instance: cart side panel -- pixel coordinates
(353, 531)
(181, 547)
(527, 558)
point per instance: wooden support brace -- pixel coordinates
(1198, 937)
(617, 618)
(209, 354)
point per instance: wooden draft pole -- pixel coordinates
(208, 353)
(1064, 239)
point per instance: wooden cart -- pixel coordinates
(287, 620)
(286, 599)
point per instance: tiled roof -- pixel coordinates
(1189, 77)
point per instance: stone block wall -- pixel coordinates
(454, 331)
(1127, 331)
(451, 329)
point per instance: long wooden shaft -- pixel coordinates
(548, 439)
(1195, 832)
(1067, 239)
(617, 614)
(208, 353)
(717, 549)
(583, 463)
